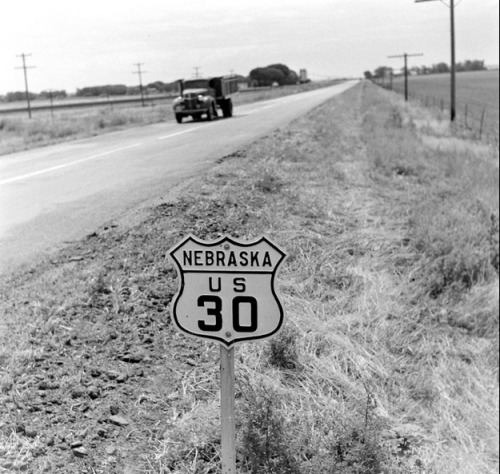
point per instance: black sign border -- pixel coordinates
(215, 243)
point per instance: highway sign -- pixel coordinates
(227, 290)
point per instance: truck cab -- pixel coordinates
(203, 97)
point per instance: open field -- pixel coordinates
(388, 362)
(18, 132)
(73, 102)
(476, 92)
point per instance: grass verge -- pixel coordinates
(388, 360)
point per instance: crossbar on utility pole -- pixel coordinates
(24, 67)
(453, 91)
(140, 72)
(406, 56)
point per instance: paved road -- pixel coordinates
(61, 193)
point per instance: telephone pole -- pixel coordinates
(140, 72)
(24, 67)
(406, 56)
(197, 71)
(453, 104)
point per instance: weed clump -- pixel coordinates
(266, 447)
(459, 243)
(283, 433)
(269, 183)
(283, 351)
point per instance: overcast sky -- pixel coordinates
(80, 43)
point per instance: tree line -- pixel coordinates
(18, 95)
(439, 68)
(274, 74)
(121, 89)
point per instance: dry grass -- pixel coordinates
(388, 361)
(20, 133)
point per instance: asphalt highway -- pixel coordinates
(53, 195)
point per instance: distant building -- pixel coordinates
(303, 76)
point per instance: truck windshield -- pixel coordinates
(196, 84)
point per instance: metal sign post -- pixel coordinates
(228, 418)
(227, 294)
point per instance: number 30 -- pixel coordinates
(216, 312)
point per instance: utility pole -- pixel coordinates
(453, 104)
(196, 72)
(406, 56)
(51, 97)
(140, 72)
(24, 67)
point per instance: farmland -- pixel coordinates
(476, 92)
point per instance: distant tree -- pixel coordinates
(274, 73)
(474, 65)
(61, 94)
(383, 71)
(440, 68)
(425, 70)
(96, 91)
(264, 76)
(368, 75)
(164, 87)
(134, 90)
(158, 85)
(289, 77)
(18, 95)
(292, 78)
(117, 89)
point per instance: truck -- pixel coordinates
(203, 97)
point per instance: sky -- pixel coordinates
(79, 43)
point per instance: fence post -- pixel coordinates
(466, 114)
(482, 124)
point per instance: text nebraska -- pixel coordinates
(229, 259)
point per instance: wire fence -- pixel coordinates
(480, 121)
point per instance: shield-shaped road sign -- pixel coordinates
(227, 291)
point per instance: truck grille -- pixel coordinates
(190, 104)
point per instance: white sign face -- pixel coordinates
(227, 289)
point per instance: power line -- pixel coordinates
(406, 56)
(25, 68)
(140, 72)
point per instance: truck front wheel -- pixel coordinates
(179, 118)
(227, 108)
(210, 113)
